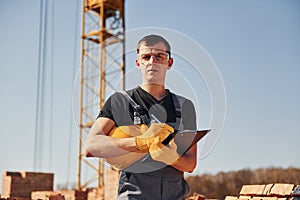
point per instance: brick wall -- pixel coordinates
(74, 194)
(31, 185)
(62, 194)
(46, 195)
(277, 191)
(111, 180)
(96, 194)
(21, 184)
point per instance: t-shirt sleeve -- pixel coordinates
(117, 108)
(106, 110)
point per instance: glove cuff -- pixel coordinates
(141, 145)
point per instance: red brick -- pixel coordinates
(21, 184)
(111, 180)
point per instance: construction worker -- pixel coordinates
(141, 131)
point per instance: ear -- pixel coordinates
(137, 63)
(170, 63)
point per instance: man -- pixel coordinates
(162, 176)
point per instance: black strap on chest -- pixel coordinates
(177, 101)
(178, 111)
(137, 108)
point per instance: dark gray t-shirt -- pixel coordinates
(150, 180)
(118, 108)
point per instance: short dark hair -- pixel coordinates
(154, 39)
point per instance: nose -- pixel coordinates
(152, 59)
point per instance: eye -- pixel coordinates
(146, 57)
(161, 56)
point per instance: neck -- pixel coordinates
(156, 90)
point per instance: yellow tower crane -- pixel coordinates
(102, 72)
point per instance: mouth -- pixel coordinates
(152, 70)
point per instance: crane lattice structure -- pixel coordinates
(102, 72)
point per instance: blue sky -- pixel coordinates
(254, 44)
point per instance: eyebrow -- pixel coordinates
(155, 49)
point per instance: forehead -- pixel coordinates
(156, 48)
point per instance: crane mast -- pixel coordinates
(102, 72)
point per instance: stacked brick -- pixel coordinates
(60, 195)
(96, 194)
(278, 191)
(46, 195)
(111, 180)
(196, 196)
(14, 198)
(39, 186)
(21, 184)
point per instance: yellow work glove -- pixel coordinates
(128, 131)
(156, 130)
(162, 153)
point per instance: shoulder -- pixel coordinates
(119, 98)
(122, 98)
(182, 102)
(180, 99)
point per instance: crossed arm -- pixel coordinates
(99, 144)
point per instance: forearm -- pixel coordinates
(99, 144)
(104, 146)
(188, 161)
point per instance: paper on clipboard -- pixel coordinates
(188, 138)
(184, 141)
